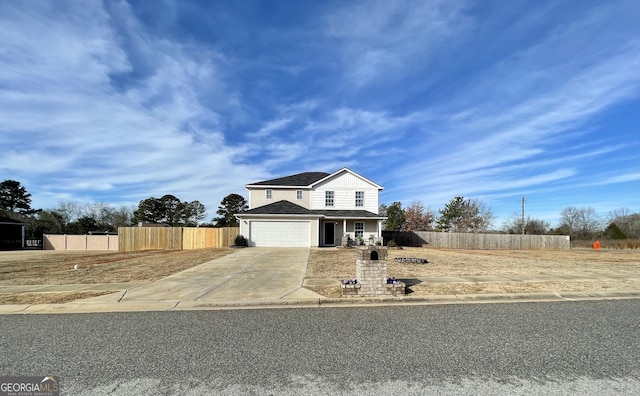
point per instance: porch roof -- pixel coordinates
(350, 214)
(280, 208)
(284, 208)
(10, 221)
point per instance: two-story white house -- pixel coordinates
(311, 209)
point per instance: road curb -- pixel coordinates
(89, 307)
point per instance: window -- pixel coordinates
(268, 194)
(359, 198)
(358, 229)
(299, 194)
(328, 198)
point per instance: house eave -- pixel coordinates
(271, 215)
(9, 221)
(379, 187)
(354, 218)
(253, 186)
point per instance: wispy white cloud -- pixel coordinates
(530, 123)
(271, 127)
(383, 39)
(608, 178)
(65, 88)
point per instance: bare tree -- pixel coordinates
(580, 223)
(629, 223)
(483, 219)
(69, 211)
(417, 218)
(531, 226)
(617, 214)
(122, 216)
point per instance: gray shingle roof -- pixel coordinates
(281, 208)
(7, 220)
(300, 179)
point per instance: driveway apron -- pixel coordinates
(248, 274)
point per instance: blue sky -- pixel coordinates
(119, 101)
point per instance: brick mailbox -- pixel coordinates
(371, 275)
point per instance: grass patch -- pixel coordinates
(521, 287)
(327, 291)
(48, 298)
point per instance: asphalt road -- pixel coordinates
(579, 348)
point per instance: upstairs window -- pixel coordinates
(328, 198)
(268, 194)
(298, 194)
(359, 198)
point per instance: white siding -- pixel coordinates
(257, 197)
(370, 227)
(345, 186)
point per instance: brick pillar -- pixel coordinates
(371, 271)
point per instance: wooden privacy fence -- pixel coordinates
(199, 238)
(455, 240)
(174, 238)
(80, 242)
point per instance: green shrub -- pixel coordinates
(240, 241)
(614, 232)
(391, 244)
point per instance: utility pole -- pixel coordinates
(523, 225)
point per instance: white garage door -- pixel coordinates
(280, 233)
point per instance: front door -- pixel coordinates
(329, 234)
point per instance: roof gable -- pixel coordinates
(310, 179)
(343, 171)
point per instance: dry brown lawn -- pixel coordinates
(57, 268)
(47, 298)
(340, 264)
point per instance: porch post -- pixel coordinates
(344, 227)
(379, 228)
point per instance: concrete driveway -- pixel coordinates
(248, 274)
